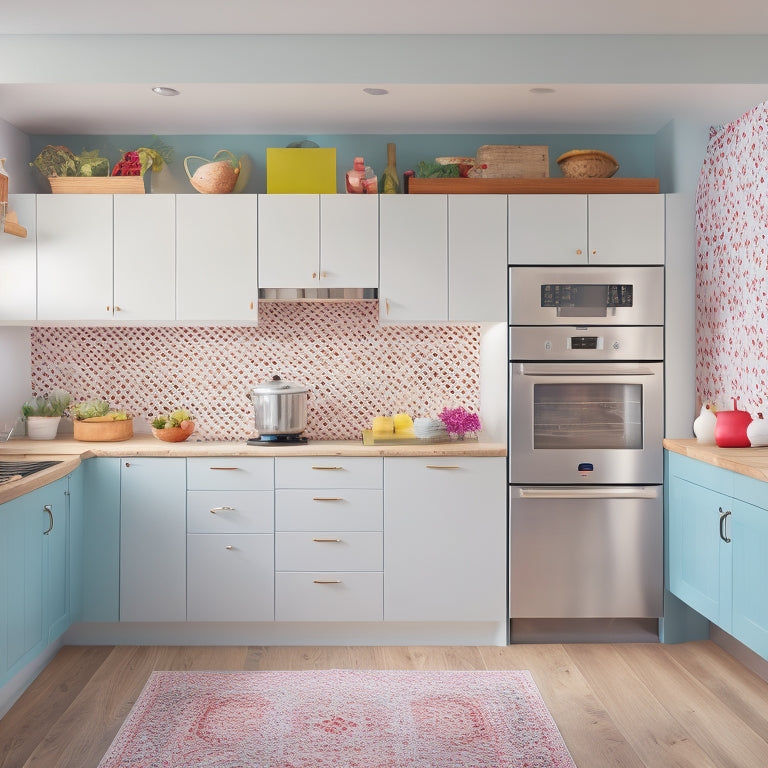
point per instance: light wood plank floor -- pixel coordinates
(626, 705)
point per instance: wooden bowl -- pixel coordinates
(172, 434)
(102, 431)
(587, 164)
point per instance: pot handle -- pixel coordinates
(193, 157)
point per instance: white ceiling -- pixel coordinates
(92, 107)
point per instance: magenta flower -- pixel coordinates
(459, 421)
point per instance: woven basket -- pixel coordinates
(587, 164)
(511, 161)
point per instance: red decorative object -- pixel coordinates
(731, 428)
(130, 165)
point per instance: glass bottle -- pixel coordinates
(390, 184)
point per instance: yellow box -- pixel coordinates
(301, 170)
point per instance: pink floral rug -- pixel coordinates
(339, 719)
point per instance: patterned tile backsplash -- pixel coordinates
(732, 266)
(355, 368)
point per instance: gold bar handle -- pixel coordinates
(224, 469)
(327, 498)
(331, 468)
(442, 466)
(326, 581)
(326, 540)
(214, 510)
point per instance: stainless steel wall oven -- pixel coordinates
(585, 441)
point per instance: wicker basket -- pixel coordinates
(587, 164)
(97, 185)
(511, 161)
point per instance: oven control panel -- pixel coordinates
(587, 295)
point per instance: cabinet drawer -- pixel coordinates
(328, 472)
(230, 577)
(212, 474)
(326, 551)
(336, 596)
(339, 509)
(230, 511)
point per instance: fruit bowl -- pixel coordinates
(587, 164)
(172, 434)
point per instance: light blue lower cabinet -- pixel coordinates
(718, 537)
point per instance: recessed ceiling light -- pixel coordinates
(376, 91)
(542, 90)
(162, 90)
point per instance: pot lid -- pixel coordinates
(278, 386)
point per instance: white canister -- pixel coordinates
(704, 425)
(42, 427)
(757, 431)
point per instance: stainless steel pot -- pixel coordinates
(280, 407)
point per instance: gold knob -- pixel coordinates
(250, 306)
(578, 251)
(314, 275)
(117, 309)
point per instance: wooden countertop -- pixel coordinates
(752, 462)
(70, 452)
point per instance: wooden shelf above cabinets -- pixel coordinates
(559, 186)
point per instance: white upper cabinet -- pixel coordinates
(18, 266)
(349, 241)
(547, 229)
(626, 229)
(477, 258)
(144, 258)
(318, 241)
(586, 229)
(74, 258)
(289, 241)
(413, 258)
(216, 259)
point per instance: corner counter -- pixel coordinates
(752, 462)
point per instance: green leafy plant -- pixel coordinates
(174, 419)
(54, 404)
(96, 410)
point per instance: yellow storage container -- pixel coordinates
(301, 170)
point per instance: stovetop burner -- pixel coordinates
(278, 440)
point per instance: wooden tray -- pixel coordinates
(97, 185)
(559, 186)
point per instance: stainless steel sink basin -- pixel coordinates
(11, 470)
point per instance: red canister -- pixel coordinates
(731, 428)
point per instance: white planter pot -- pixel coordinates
(42, 427)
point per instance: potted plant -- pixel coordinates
(44, 413)
(96, 421)
(173, 427)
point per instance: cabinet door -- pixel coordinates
(699, 560)
(349, 241)
(153, 576)
(230, 577)
(413, 258)
(18, 266)
(145, 252)
(477, 258)
(547, 229)
(289, 241)
(57, 557)
(22, 522)
(749, 539)
(74, 257)
(445, 549)
(626, 229)
(216, 259)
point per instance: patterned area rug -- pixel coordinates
(339, 719)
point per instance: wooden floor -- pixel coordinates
(629, 705)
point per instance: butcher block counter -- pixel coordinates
(70, 452)
(752, 462)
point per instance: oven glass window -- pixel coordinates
(587, 415)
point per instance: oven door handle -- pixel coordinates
(587, 492)
(603, 369)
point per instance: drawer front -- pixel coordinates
(329, 551)
(230, 474)
(230, 511)
(336, 596)
(230, 577)
(328, 472)
(332, 509)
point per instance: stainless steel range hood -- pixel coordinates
(318, 294)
